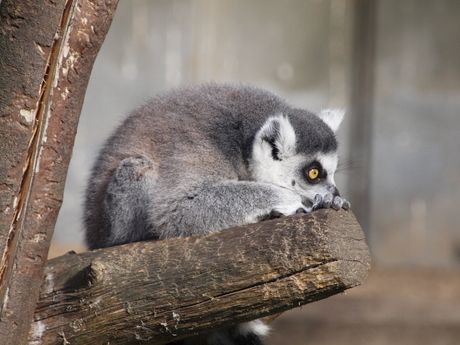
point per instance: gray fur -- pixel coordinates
(195, 161)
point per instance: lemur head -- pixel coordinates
(298, 151)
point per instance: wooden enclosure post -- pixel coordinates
(362, 107)
(47, 50)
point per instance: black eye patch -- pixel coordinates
(314, 173)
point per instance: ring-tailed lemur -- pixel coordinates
(204, 158)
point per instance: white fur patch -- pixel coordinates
(286, 140)
(332, 117)
(329, 163)
(258, 327)
(263, 167)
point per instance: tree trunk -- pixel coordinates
(47, 49)
(159, 291)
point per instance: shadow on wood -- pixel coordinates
(161, 291)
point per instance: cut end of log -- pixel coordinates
(345, 240)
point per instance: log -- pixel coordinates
(159, 291)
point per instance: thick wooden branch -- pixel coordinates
(47, 50)
(165, 290)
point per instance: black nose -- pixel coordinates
(333, 190)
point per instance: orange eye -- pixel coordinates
(313, 173)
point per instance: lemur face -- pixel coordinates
(278, 159)
(317, 176)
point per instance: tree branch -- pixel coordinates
(165, 290)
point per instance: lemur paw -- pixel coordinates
(330, 201)
(274, 214)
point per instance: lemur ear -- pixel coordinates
(277, 138)
(332, 117)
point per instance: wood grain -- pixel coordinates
(160, 291)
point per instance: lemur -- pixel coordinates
(209, 157)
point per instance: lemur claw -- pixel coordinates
(317, 202)
(330, 201)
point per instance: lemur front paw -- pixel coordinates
(274, 214)
(330, 201)
(291, 203)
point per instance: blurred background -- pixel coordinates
(395, 66)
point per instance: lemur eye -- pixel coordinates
(313, 173)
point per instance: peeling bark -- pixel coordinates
(47, 49)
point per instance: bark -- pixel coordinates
(159, 291)
(47, 49)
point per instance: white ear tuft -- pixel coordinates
(278, 134)
(332, 117)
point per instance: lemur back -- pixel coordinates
(200, 159)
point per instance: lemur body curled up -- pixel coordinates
(200, 159)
